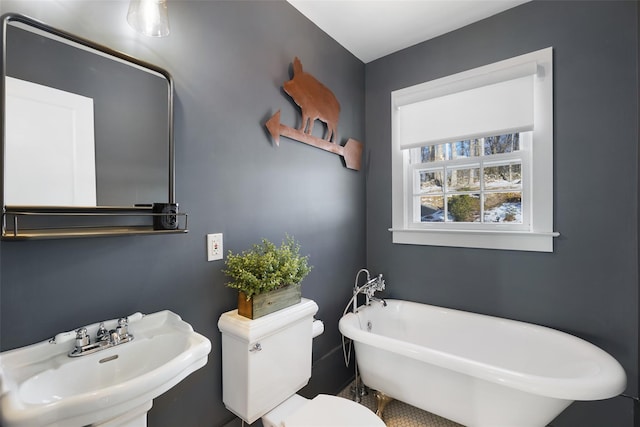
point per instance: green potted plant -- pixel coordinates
(267, 277)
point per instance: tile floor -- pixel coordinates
(399, 414)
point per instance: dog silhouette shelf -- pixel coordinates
(316, 102)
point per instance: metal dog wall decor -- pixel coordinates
(316, 102)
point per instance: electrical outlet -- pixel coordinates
(214, 246)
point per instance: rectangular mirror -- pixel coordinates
(85, 129)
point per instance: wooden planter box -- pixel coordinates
(268, 302)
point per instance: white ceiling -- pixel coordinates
(371, 29)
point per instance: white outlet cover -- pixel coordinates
(214, 247)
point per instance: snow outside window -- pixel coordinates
(472, 158)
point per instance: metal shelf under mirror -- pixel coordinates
(28, 223)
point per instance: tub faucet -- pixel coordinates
(377, 283)
(371, 287)
(380, 300)
(368, 288)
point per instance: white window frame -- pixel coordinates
(536, 232)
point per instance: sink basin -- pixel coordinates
(41, 385)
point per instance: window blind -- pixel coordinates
(491, 109)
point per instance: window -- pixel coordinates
(472, 158)
(477, 180)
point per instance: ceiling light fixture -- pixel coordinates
(149, 17)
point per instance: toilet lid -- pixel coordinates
(325, 410)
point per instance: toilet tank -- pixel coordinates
(267, 360)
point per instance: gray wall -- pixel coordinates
(589, 285)
(229, 60)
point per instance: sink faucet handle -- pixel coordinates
(82, 338)
(123, 327)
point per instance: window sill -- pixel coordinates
(506, 240)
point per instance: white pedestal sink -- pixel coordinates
(41, 385)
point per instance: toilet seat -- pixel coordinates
(325, 410)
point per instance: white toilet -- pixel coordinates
(267, 360)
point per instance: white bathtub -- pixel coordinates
(474, 369)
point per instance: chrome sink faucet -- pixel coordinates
(102, 334)
(104, 339)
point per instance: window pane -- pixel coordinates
(503, 207)
(434, 153)
(432, 209)
(431, 181)
(464, 207)
(502, 144)
(463, 179)
(503, 177)
(464, 149)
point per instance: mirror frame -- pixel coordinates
(83, 215)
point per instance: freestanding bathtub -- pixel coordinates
(475, 369)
